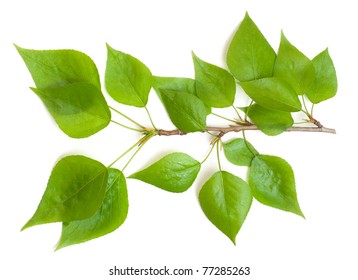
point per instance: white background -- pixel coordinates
(164, 228)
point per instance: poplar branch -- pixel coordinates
(238, 128)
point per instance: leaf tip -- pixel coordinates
(247, 18)
(27, 225)
(109, 48)
(296, 209)
(35, 90)
(300, 213)
(132, 176)
(19, 49)
(283, 35)
(59, 246)
(325, 52)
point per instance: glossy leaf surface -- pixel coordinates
(108, 217)
(174, 84)
(186, 111)
(250, 56)
(239, 152)
(74, 191)
(55, 68)
(215, 86)
(291, 65)
(175, 172)
(268, 121)
(226, 200)
(273, 94)
(325, 83)
(79, 109)
(128, 80)
(272, 182)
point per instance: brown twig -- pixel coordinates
(238, 128)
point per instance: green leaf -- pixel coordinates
(269, 121)
(239, 152)
(175, 172)
(79, 109)
(250, 56)
(108, 217)
(184, 85)
(215, 86)
(273, 94)
(272, 182)
(226, 200)
(55, 68)
(186, 111)
(325, 82)
(74, 191)
(128, 80)
(291, 65)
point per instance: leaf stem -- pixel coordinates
(125, 116)
(237, 112)
(141, 144)
(218, 153)
(210, 133)
(248, 109)
(312, 110)
(246, 143)
(150, 117)
(209, 153)
(222, 117)
(126, 152)
(127, 127)
(304, 105)
(244, 135)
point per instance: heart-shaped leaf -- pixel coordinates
(174, 84)
(291, 65)
(250, 56)
(54, 68)
(269, 121)
(239, 152)
(226, 200)
(108, 217)
(215, 86)
(79, 109)
(186, 111)
(175, 172)
(272, 182)
(128, 80)
(74, 191)
(273, 94)
(325, 83)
